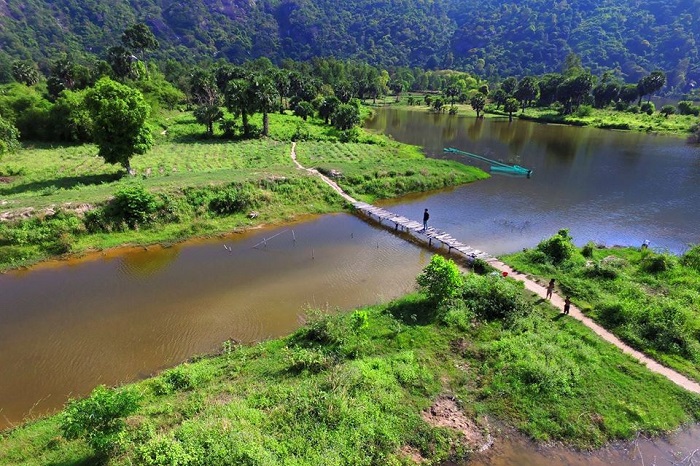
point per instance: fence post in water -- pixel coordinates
(312, 254)
(294, 237)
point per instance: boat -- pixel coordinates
(496, 166)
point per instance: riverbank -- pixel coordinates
(647, 298)
(607, 118)
(374, 385)
(64, 201)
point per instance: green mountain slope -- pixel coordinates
(489, 37)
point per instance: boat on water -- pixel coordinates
(496, 166)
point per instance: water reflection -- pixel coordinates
(69, 326)
(609, 187)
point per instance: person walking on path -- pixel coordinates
(550, 289)
(567, 305)
(426, 216)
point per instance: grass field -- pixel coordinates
(648, 299)
(357, 388)
(40, 180)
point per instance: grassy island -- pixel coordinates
(59, 200)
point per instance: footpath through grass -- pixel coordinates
(61, 200)
(649, 299)
(357, 388)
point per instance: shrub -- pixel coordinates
(692, 258)
(133, 205)
(441, 280)
(656, 263)
(584, 111)
(493, 297)
(666, 328)
(648, 108)
(558, 248)
(633, 109)
(99, 418)
(587, 249)
(686, 107)
(667, 110)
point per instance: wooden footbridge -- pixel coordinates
(431, 237)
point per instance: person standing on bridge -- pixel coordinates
(426, 216)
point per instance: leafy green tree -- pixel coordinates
(572, 65)
(139, 38)
(119, 115)
(650, 84)
(122, 63)
(499, 97)
(283, 85)
(304, 110)
(548, 88)
(509, 85)
(440, 280)
(25, 72)
(478, 101)
(328, 107)
(344, 91)
(9, 137)
(346, 117)
(70, 118)
(628, 93)
(526, 91)
(686, 107)
(438, 105)
(484, 89)
(510, 106)
(605, 93)
(265, 95)
(573, 91)
(207, 115)
(240, 100)
(667, 110)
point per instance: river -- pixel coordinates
(609, 187)
(68, 326)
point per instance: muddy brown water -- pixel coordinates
(68, 326)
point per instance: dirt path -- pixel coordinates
(556, 300)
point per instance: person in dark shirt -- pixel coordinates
(426, 216)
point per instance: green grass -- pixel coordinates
(679, 125)
(41, 179)
(376, 171)
(349, 389)
(648, 299)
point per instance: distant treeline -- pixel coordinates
(490, 38)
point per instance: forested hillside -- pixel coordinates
(490, 37)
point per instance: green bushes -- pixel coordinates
(692, 258)
(558, 248)
(441, 280)
(99, 418)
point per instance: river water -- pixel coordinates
(609, 187)
(68, 326)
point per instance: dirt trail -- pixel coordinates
(556, 300)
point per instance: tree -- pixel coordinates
(304, 110)
(605, 93)
(573, 90)
(139, 38)
(510, 106)
(207, 115)
(440, 280)
(548, 88)
(346, 117)
(667, 110)
(9, 137)
(572, 65)
(264, 93)
(438, 105)
(628, 93)
(509, 85)
(478, 101)
(526, 91)
(119, 115)
(499, 97)
(328, 108)
(122, 63)
(240, 101)
(25, 72)
(650, 84)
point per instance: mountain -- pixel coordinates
(489, 37)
